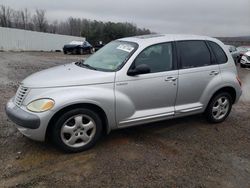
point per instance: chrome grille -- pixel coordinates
(20, 95)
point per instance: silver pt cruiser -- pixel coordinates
(130, 81)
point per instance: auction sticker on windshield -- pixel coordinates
(125, 47)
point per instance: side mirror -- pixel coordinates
(140, 69)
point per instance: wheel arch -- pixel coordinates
(227, 89)
(90, 106)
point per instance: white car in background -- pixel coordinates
(245, 60)
(234, 52)
(243, 49)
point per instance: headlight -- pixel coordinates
(40, 105)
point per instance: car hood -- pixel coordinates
(247, 53)
(67, 75)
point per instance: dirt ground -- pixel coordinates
(186, 152)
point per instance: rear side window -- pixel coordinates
(219, 52)
(194, 54)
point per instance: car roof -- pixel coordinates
(157, 38)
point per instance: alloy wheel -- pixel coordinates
(220, 108)
(78, 130)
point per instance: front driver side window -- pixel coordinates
(158, 57)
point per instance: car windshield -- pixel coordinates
(112, 56)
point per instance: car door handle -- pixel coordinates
(170, 79)
(214, 73)
(122, 84)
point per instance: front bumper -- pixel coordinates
(31, 125)
(21, 117)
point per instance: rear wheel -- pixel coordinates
(75, 51)
(219, 107)
(91, 50)
(77, 130)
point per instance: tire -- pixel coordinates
(71, 134)
(238, 59)
(65, 52)
(217, 111)
(91, 50)
(242, 65)
(75, 52)
(81, 51)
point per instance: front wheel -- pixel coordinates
(219, 107)
(77, 130)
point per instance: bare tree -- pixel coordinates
(5, 16)
(40, 21)
(25, 17)
(53, 28)
(16, 19)
(94, 30)
(75, 26)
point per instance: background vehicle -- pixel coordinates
(78, 47)
(245, 60)
(131, 81)
(99, 45)
(243, 49)
(235, 53)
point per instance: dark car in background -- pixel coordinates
(99, 45)
(78, 47)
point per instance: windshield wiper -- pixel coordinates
(88, 66)
(82, 64)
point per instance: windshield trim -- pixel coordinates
(124, 62)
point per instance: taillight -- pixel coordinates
(239, 81)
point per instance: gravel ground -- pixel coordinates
(186, 152)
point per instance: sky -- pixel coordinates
(205, 17)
